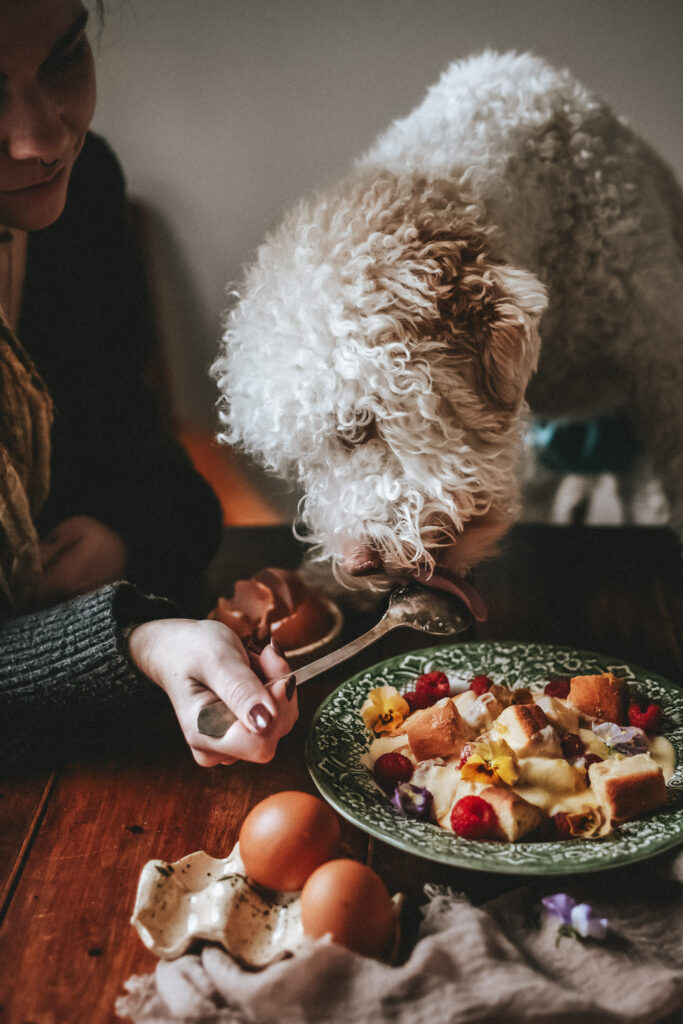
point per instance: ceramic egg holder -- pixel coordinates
(203, 897)
(208, 898)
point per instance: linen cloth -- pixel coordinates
(501, 962)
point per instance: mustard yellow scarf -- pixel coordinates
(25, 422)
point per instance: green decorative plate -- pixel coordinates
(338, 738)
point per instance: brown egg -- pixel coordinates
(226, 613)
(351, 903)
(286, 837)
(308, 622)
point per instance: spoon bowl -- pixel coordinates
(429, 611)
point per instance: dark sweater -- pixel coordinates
(65, 679)
(85, 323)
(64, 674)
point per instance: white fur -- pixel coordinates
(382, 342)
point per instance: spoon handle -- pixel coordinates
(215, 719)
(314, 668)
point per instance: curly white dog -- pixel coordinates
(383, 345)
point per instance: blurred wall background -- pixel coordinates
(224, 112)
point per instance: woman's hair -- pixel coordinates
(25, 421)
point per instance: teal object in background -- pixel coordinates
(605, 444)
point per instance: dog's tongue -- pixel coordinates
(444, 579)
(364, 561)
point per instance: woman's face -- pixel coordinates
(47, 99)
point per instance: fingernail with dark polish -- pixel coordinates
(276, 647)
(290, 687)
(260, 716)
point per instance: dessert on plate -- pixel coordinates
(564, 758)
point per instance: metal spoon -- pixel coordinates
(429, 611)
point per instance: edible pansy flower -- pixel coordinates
(621, 739)
(490, 762)
(413, 801)
(577, 920)
(587, 922)
(588, 823)
(560, 905)
(384, 709)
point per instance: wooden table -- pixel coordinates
(72, 842)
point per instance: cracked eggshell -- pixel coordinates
(203, 897)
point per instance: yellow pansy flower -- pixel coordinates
(384, 709)
(490, 762)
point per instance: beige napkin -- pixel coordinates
(499, 963)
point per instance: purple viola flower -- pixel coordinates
(560, 905)
(578, 920)
(587, 922)
(627, 740)
(413, 801)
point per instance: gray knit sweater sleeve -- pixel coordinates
(65, 675)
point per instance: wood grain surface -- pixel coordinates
(73, 842)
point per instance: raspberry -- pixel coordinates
(390, 769)
(561, 823)
(480, 684)
(573, 746)
(414, 702)
(431, 687)
(588, 760)
(557, 687)
(474, 818)
(645, 715)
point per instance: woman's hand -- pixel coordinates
(199, 662)
(81, 554)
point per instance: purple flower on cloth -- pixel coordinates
(627, 740)
(413, 801)
(587, 923)
(577, 920)
(560, 905)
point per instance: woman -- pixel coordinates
(123, 500)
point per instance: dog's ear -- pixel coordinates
(508, 341)
(487, 319)
(482, 317)
(433, 284)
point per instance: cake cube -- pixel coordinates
(438, 731)
(516, 816)
(480, 712)
(560, 715)
(528, 731)
(629, 786)
(602, 697)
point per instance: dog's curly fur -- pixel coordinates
(382, 347)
